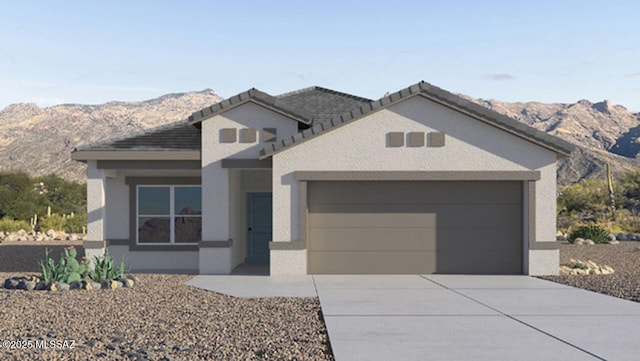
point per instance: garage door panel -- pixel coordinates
(377, 215)
(373, 220)
(478, 262)
(394, 262)
(414, 192)
(479, 239)
(374, 239)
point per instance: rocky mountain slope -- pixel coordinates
(604, 133)
(39, 140)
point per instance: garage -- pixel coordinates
(409, 227)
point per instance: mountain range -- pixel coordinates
(39, 140)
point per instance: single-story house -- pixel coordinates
(317, 181)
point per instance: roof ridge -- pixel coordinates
(440, 95)
(325, 90)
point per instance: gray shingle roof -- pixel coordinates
(436, 94)
(175, 136)
(324, 104)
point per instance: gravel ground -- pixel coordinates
(623, 257)
(160, 319)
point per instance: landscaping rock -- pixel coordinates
(582, 268)
(108, 284)
(589, 242)
(126, 282)
(42, 286)
(30, 286)
(578, 241)
(613, 242)
(75, 285)
(135, 279)
(61, 286)
(10, 283)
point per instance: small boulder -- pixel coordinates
(29, 285)
(136, 280)
(126, 282)
(578, 241)
(61, 286)
(75, 285)
(109, 284)
(613, 242)
(11, 283)
(42, 286)
(589, 242)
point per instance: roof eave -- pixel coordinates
(85, 155)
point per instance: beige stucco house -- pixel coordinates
(321, 182)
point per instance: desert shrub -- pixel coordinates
(587, 196)
(53, 221)
(10, 225)
(593, 232)
(631, 184)
(75, 223)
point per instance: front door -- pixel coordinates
(259, 227)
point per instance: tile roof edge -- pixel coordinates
(451, 100)
(251, 95)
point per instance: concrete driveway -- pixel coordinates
(452, 317)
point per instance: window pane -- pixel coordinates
(154, 230)
(188, 229)
(153, 200)
(188, 200)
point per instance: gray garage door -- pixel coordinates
(415, 227)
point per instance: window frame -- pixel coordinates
(172, 215)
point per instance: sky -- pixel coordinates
(91, 52)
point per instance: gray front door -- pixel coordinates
(259, 227)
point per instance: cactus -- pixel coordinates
(33, 221)
(48, 211)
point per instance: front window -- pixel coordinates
(169, 214)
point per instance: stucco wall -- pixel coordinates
(362, 145)
(217, 189)
(155, 261)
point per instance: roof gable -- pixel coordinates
(251, 95)
(440, 96)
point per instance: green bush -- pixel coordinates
(75, 223)
(54, 221)
(593, 232)
(9, 225)
(588, 196)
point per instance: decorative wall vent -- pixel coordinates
(269, 135)
(228, 135)
(436, 139)
(248, 135)
(415, 139)
(395, 139)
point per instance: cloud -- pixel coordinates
(633, 75)
(499, 76)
